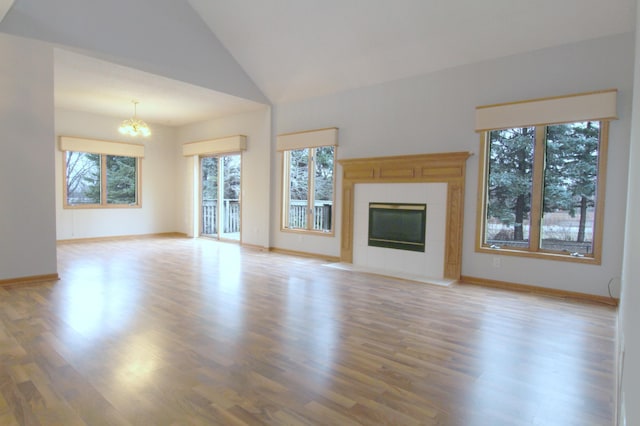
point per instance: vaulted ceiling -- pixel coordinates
(293, 49)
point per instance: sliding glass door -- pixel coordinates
(220, 198)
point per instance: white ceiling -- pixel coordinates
(295, 49)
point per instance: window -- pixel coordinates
(542, 191)
(96, 180)
(309, 188)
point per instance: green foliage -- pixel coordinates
(571, 165)
(510, 176)
(209, 178)
(299, 174)
(231, 176)
(323, 165)
(91, 179)
(83, 178)
(231, 170)
(121, 180)
(570, 172)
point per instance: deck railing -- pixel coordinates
(231, 216)
(321, 215)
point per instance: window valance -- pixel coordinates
(95, 146)
(308, 139)
(592, 106)
(225, 145)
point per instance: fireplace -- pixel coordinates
(397, 226)
(446, 169)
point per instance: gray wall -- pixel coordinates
(435, 113)
(629, 315)
(27, 207)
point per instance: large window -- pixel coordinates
(96, 180)
(542, 190)
(309, 189)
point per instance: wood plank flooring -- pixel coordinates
(172, 331)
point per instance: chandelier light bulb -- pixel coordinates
(134, 126)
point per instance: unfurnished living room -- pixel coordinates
(338, 212)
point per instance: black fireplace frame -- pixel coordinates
(398, 225)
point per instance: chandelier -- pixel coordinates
(134, 126)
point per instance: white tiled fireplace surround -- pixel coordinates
(417, 266)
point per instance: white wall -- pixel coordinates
(27, 211)
(629, 315)
(435, 113)
(159, 166)
(168, 178)
(255, 199)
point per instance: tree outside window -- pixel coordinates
(82, 178)
(309, 188)
(541, 188)
(100, 180)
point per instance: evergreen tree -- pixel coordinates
(231, 170)
(572, 169)
(299, 174)
(570, 173)
(323, 167)
(121, 180)
(91, 179)
(510, 177)
(209, 178)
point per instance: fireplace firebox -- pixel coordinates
(397, 226)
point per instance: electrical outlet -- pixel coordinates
(496, 261)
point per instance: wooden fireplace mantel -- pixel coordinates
(446, 168)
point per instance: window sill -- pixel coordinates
(100, 206)
(546, 255)
(309, 232)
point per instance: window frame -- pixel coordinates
(537, 193)
(103, 184)
(284, 216)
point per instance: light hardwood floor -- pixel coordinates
(172, 331)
